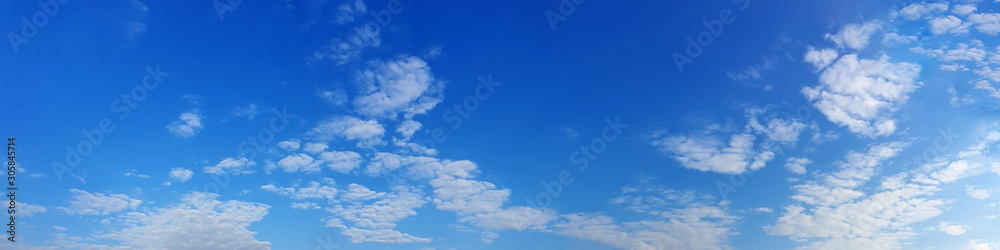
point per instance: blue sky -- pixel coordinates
(572, 124)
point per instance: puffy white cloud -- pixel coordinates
(917, 11)
(987, 23)
(862, 94)
(188, 126)
(820, 58)
(405, 85)
(878, 241)
(85, 203)
(949, 24)
(763, 210)
(645, 234)
(181, 174)
(977, 193)
(893, 38)
(855, 36)
(382, 163)
(950, 228)
(340, 161)
(797, 165)
(315, 147)
(963, 9)
(358, 235)
(367, 132)
(684, 220)
(408, 128)
(708, 153)
(304, 205)
(232, 165)
(983, 245)
(954, 171)
(841, 215)
(299, 162)
(290, 145)
(375, 222)
(780, 130)
(514, 218)
(25, 209)
(313, 190)
(200, 220)
(889, 209)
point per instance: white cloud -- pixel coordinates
(135, 26)
(763, 210)
(797, 165)
(304, 205)
(684, 219)
(949, 24)
(313, 190)
(893, 38)
(25, 209)
(133, 173)
(780, 130)
(954, 171)
(840, 211)
(340, 161)
(820, 58)
(337, 97)
(315, 147)
(188, 126)
(708, 153)
(918, 11)
(347, 12)
(299, 162)
(405, 85)
(367, 132)
(983, 245)
(85, 203)
(950, 228)
(408, 128)
(862, 94)
(977, 193)
(987, 23)
(234, 166)
(290, 145)
(181, 174)
(375, 222)
(855, 36)
(200, 220)
(963, 9)
(753, 72)
(250, 111)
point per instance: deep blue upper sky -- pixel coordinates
(320, 124)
